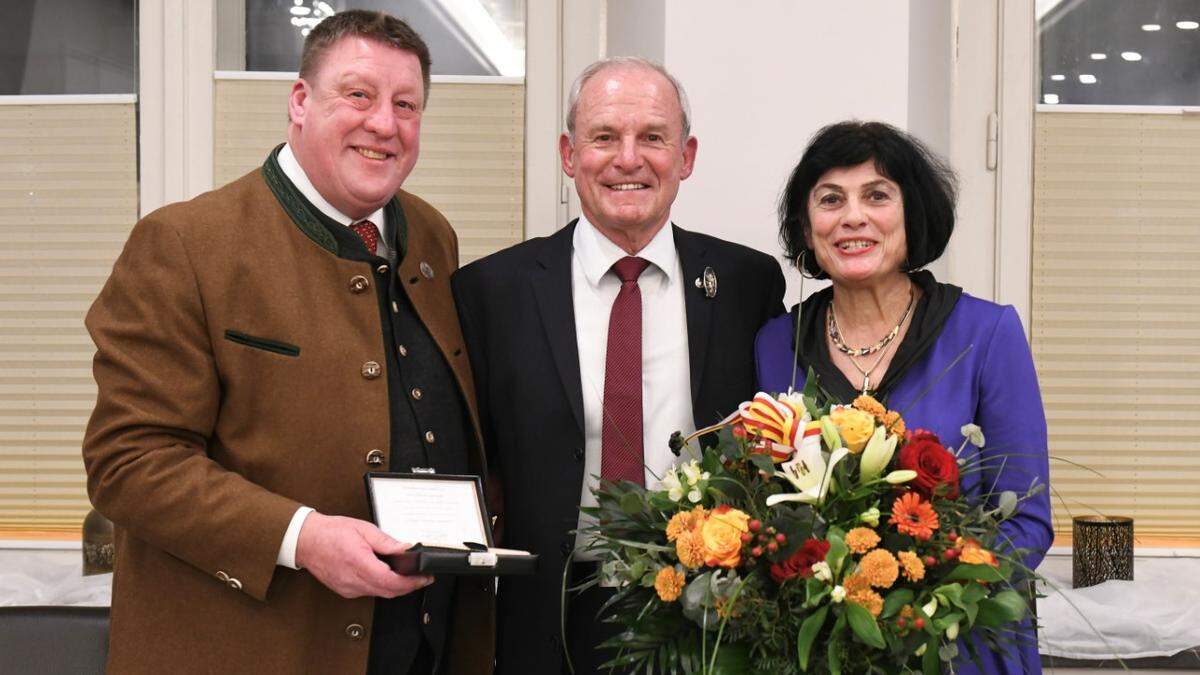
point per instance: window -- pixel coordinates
(1115, 52)
(68, 47)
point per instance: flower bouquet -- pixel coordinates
(808, 538)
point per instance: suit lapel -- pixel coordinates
(699, 309)
(551, 280)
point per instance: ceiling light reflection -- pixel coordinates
(1099, 57)
(1087, 79)
(1052, 99)
(1058, 78)
(1131, 56)
(1151, 27)
(1187, 25)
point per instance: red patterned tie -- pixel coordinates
(621, 437)
(369, 233)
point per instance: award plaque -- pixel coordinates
(444, 519)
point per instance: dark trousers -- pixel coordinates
(584, 629)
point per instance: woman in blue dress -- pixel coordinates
(867, 207)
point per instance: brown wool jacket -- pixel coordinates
(201, 448)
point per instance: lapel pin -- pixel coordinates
(708, 281)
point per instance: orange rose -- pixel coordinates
(721, 535)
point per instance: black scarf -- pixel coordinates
(929, 317)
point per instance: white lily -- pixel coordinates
(900, 476)
(809, 472)
(973, 433)
(930, 607)
(693, 474)
(877, 454)
(821, 571)
(870, 517)
(674, 488)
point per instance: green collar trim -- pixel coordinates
(317, 226)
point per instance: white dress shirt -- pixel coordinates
(666, 373)
(291, 169)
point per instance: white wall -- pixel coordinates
(762, 80)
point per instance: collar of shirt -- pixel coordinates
(596, 253)
(295, 173)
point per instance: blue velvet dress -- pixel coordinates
(993, 385)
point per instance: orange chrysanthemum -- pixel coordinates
(914, 569)
(690, 549)
(914, 517)
(868, 404)
(669, 583)
(893, 423)
(685, 521)
(972, 553)
(855, 583)
(880, 568)
(862, 539)
(870, 600)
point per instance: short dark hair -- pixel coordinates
(378, 26)
(927, 185)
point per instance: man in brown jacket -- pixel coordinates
(262, 346)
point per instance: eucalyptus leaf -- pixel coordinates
(1007, 504)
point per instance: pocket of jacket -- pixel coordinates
(265, 344)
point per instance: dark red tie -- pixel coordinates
(621, 455)
(369, 233)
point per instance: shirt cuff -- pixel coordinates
(287, 550)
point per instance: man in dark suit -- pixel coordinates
(591, 346)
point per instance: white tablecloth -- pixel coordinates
(1156, 614)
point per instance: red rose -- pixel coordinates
(800, 563)
(937, 469)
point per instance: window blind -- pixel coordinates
(472, 162)
(68, 198)
(1116, 315)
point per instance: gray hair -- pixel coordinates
(632, 62)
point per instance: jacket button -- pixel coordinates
(223, 576)
(402, 350)
(429, 437)
(382, 269)
(235, 584)
(578, 453)
(375, 457)
(565, 547)
(359, 283)
(371, 370)
(354, 631)
(427, 270)
(426, 619)
(416, 394)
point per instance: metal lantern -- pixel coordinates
(1101, 549)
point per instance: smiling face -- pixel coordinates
(857, 225)
(356, 123)
(629, 153)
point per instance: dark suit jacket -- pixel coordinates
(518, 319)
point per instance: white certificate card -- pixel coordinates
(428, 510)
